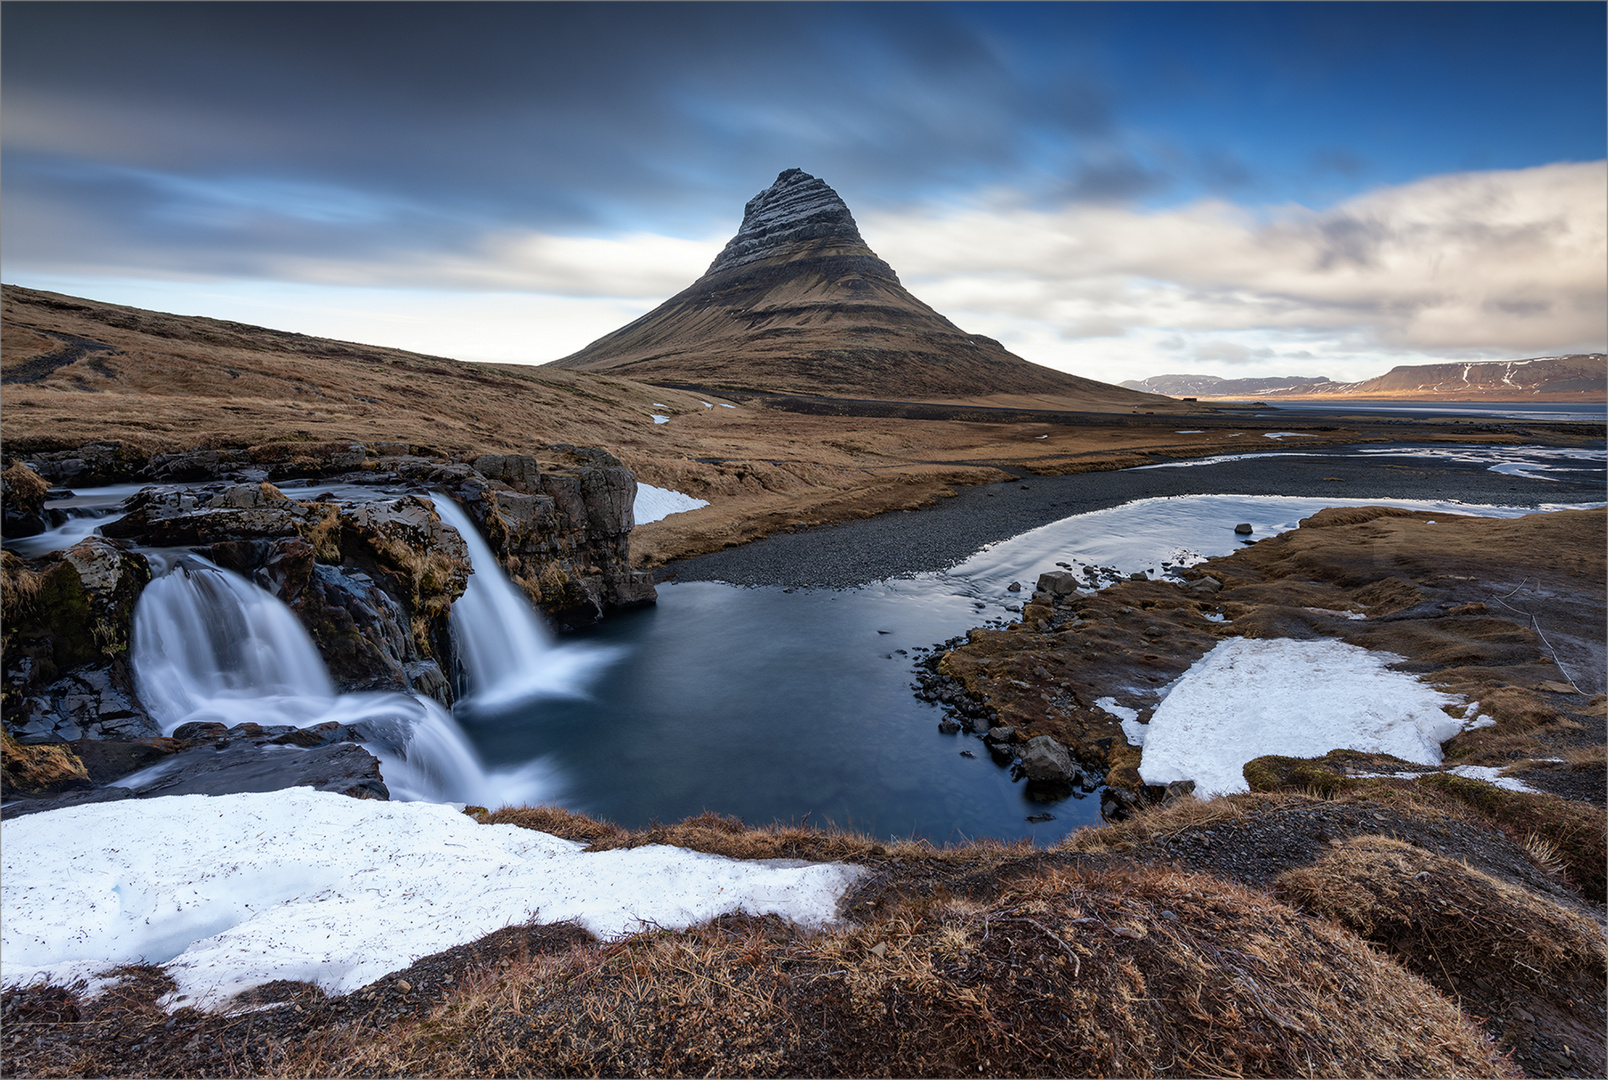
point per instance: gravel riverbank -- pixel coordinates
(938, 536)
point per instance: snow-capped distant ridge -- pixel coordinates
(795, 209)
(1573, 376)
(1217, 386)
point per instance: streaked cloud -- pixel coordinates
(1494, 262)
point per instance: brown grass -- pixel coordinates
(1574, 829)
(1069, 973)
(37, 768)
(19, 588)
(1442, 912)
(1479, 940)
(718, 834)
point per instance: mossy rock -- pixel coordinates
(39, 769)
(1274, 772)
(80, 612)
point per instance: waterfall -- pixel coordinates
(211, 646)
(507, 654)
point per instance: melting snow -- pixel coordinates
(233, 891)
(657, 419)
(653, 503)
(1249, 697)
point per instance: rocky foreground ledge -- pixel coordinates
(371, 578)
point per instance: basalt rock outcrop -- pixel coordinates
(797, 302)
(370, 573)
(66, 637)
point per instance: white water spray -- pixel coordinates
(506, 652)
(210, 646)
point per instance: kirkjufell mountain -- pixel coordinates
(797, 302)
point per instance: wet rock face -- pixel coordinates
(67, 626)
(796, 209)
(562, 532)
(22, 494)
(373, 583)
(90, 465)
(208, 759)
(235, 513)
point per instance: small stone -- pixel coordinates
(1015, 586)
(1039, 819)
(948, 726)
(1243, 528)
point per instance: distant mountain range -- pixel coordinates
(798, 303)
(1575, 377)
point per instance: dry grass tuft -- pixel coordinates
(24, 485)
(1168, 819)
(19, 589)
(1474, 937)
(718, 834)
(1574, 829)
(1444, 913)
(33, 769)
(1067, 973)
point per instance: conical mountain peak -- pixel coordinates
(797, 209)
(796, 302)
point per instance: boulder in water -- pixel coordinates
(1047, 760)
(1057, 583)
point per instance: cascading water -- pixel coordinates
(506, 653)
(211, 646)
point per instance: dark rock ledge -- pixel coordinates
(371, 580)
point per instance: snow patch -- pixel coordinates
(1285, 435)
(653, 503)
(657, 419)
(1121, 712)
(233, 891)
(1490, 774)
(1250, 697)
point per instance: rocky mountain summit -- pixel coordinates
(792, 212)
(797, 302)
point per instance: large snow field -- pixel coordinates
(653, 503)
(233, 891)
(1249, 697)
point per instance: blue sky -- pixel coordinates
(1118, 190)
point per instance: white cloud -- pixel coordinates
(1487, 263)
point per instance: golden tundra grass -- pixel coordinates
(1066, 972)
(1439, 913)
